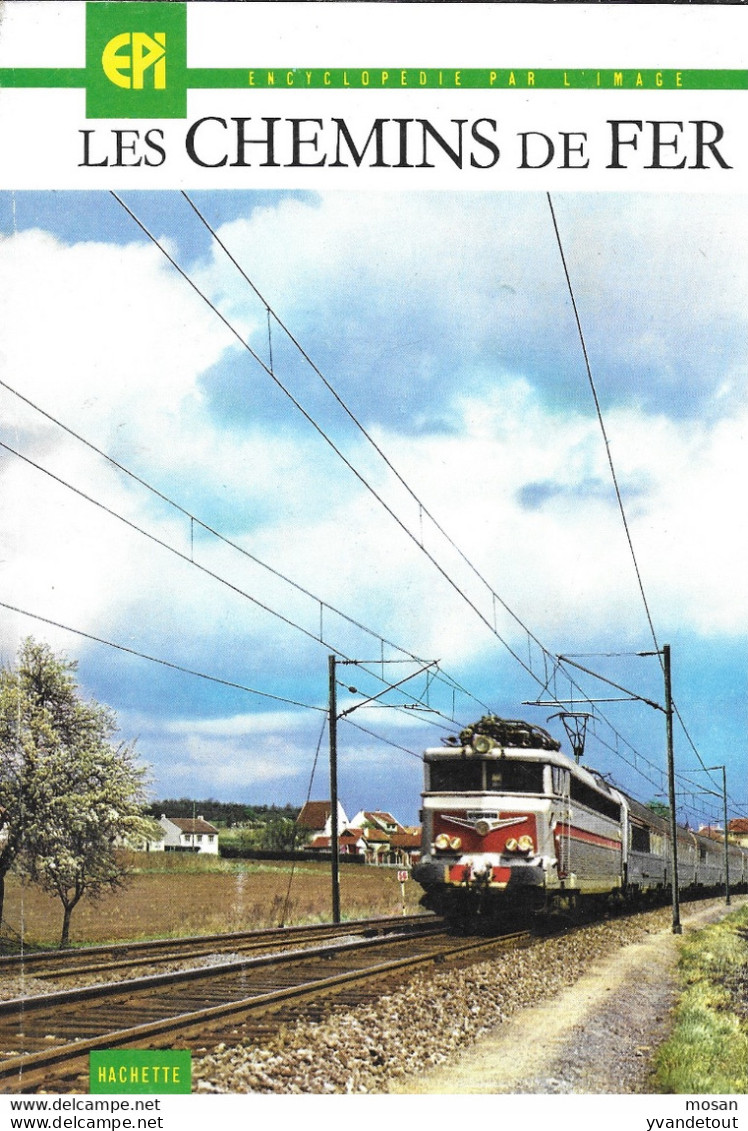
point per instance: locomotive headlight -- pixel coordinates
(525, 844)
(511, 845)
(455, 843)
(441, 842)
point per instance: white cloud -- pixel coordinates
(228, 728)
(109, 339)
(102, 334)
(404, 283)
(232, 764)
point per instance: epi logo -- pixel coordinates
(128, 56)
(129, 71)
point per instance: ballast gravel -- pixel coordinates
(27, 985)
(424, 1023)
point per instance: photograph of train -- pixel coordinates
(442, 473)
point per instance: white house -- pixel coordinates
(377, 819)
(189, 834)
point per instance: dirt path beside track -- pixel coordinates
(597, 1036)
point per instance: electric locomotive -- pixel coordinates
(510, 822)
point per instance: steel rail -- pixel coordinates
(29, 1068)
(18, 1006)
(73, 961)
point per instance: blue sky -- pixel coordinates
(444, 324)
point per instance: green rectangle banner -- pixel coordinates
(160, 1071)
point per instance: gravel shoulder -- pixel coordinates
(594, 1037)
(578, 1014)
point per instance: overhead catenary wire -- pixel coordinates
(222, 681)
(327, 439)
(601, 421)
(159, 660)
(212, 679)
(196, 565)
(292, 874)
(381, 738)
(203, 525)
(611, 465)
(159, 541)
(414, 537)
(422, 509)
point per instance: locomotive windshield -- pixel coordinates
(458, 775)
(514, 777)
(455, 775)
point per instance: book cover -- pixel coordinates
(372, 382)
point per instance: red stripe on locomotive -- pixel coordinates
(573, 833)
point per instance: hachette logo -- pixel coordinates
(136, 60)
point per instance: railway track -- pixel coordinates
(113, 959)
(45, 1040)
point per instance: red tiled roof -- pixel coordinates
(314, 814)
(374, 834)
(406, 840)
(193, 825)
(320, 842)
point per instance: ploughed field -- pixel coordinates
(180, 895)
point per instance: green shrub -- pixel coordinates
(707, 1051)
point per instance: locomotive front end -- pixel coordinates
(487, 822)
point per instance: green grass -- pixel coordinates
(707, 1051)
(188, 863)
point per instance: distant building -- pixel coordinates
(189, 834)
(713, 832)
(405, 847)
(351, 842)
(373, 835)
(737, 831)
(315, 820)
(152, 841)
(376, 819)
(377, 844)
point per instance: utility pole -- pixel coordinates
(333, 726)
(727, 853)
(677, 928)
(334, 847)
(668, 711)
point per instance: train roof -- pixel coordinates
(534, 754)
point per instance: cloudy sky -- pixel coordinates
(444, 331)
